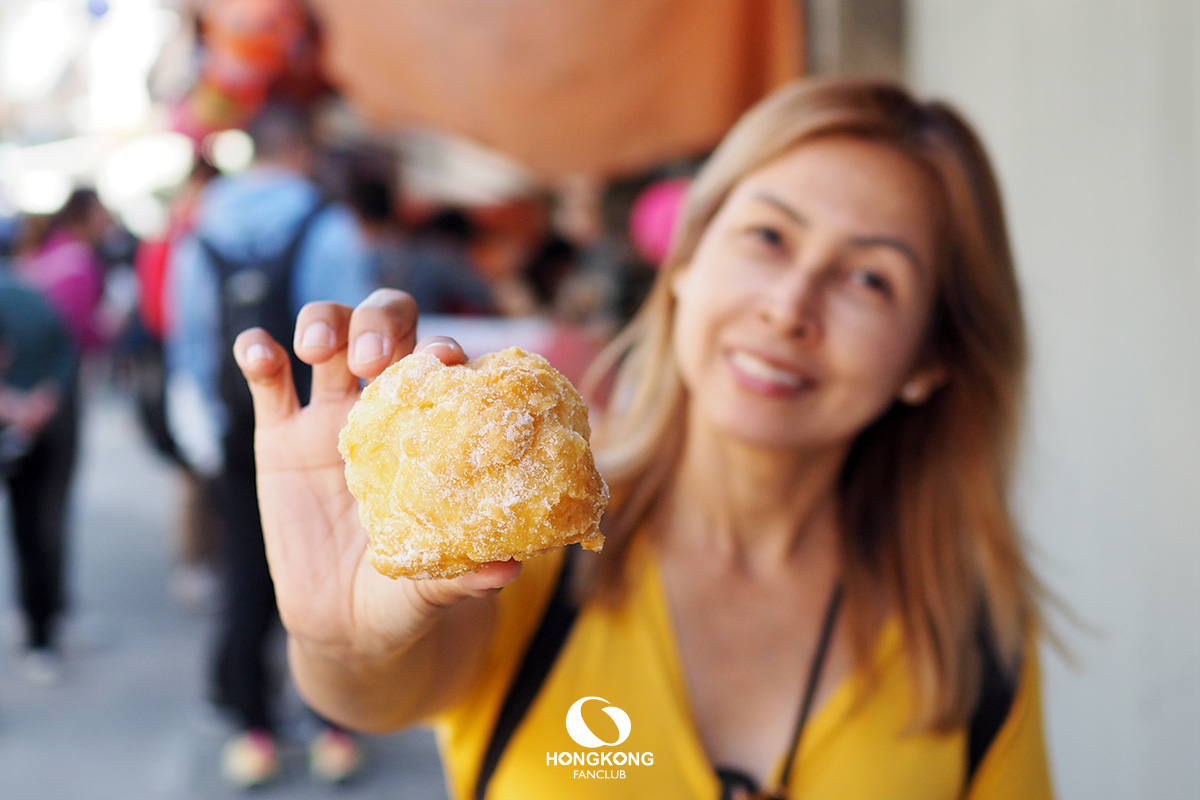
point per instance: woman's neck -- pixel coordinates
(759, 508)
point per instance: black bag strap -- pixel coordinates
(275, 315)
(998, 691)
(539, 659)
(292, 251)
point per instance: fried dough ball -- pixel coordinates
(457, 466)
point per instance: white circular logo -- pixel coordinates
(583, 735)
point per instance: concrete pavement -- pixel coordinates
(127, 721)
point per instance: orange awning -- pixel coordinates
(601, 87)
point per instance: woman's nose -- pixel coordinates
(792, 303)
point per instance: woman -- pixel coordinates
(812, 584)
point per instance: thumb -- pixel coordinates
(268, 371)
(489, 579)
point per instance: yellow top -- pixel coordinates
(627, 658)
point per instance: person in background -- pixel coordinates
(154, 255)
(549, 268)
(265, 242)
(39, 430)
(193, 579)
(373, 201)
(812, 585)
(440, 274)
(66, 269)
(432, 263)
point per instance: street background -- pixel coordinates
(128, 721)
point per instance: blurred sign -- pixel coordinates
(601, 87)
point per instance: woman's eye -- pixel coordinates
(873, 281)
(767, 235)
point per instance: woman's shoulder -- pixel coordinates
(1014, 762)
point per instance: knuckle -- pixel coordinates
(391, 305)
(385, 297)
(392, 317)
(248, 337)
(322, 309)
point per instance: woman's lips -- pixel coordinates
(769, 376)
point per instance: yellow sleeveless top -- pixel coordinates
(632, 735)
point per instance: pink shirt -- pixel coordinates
(68, 274)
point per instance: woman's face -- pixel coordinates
(803, 310)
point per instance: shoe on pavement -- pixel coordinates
(334, 756)
(77, 634)
(41, 666)
(250, 759)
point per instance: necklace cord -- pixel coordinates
(810, 689)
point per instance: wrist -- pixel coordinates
(357, 657)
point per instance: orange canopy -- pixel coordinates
(601, 87)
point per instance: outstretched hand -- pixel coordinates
(331, 600)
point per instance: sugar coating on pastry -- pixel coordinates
(457, 466)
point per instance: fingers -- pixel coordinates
(267, 370)
(383, 329)
(490, 577)
(449, 351)
(321, 331)
(344, 345)
(438, 594)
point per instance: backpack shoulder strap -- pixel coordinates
(539, 659)
(998, 690)
(222, 266)
(292, 251)
(285, 258)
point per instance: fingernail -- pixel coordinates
(367, 347)
(256, 353)
(317, 334)
(437, 349)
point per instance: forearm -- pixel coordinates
(389, 692)
(360, 694)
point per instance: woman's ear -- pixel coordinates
(922, 384)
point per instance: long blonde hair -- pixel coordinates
(924, 491)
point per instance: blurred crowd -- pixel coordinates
(86, 304)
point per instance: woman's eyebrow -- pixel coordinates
(901, 246)
(775, 202)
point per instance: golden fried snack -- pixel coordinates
(454, 467)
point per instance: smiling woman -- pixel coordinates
(805, 305)
(811, 584)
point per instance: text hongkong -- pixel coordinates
(594, 759)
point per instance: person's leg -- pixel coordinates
(40, 487)
(248, 613)
(198, 522)
(194, 583)
(247, 604)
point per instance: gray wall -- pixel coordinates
(1092, 112)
